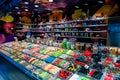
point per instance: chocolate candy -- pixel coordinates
(83, 70)
(113, 70)
(97, 74)
(98, 66)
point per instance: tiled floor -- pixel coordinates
(10, 72)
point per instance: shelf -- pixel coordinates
(70, 28)
(81, 31)
(87, 26)
(29, 31)
(96, 19)
(72, 21)
(103, 31)
(65, 31)
(82, 37)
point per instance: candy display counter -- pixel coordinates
(53, 63)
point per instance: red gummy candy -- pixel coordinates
(91, 73)
(109, 77)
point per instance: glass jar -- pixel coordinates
(68, 45)
(72, 45)
(95, 48)
(87, 46)
(77, 46)
(118, 51)
(113, 51)
(82, 45)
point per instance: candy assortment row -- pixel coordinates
(66, 64)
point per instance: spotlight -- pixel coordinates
(50, 0)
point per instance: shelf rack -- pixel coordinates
(61, 28)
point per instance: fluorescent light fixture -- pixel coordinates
(50, 0)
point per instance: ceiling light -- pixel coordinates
(26, 2)
(26, 10)
(76, 6)
(86, 4)
(18, 12)
(50, 0)
(100, 2)
(16, 7)
(36, 5)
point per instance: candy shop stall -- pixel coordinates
(53, 62)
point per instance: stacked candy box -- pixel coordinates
(29, 67)
(60, 63)
(32, 60)
(113, 70)
(37, 55)
(43, 51)
(78, 77)
(24, 63)
(16, 59)
(95, 74)
(44, 75)
(49, 59)
(40, 63)
(64, 56)
(107, 61)
(56, 54)
(51, 68)
(64, 74)
(83, 70)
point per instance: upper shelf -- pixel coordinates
(103, 31)
(87, 26)
(72, 21)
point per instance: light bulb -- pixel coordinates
(50, 0)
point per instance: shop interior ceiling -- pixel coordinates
(43, 6)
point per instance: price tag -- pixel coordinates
(86, 66)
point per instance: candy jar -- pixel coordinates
(77, 46)
(64, 43)
(113, 51)
(95, 48)
(68, 45)
(118, 51)
(73, 45)
(38, 40)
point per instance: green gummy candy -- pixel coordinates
(43, 51)
(63, 62)
(44, 74)
(84, 78)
